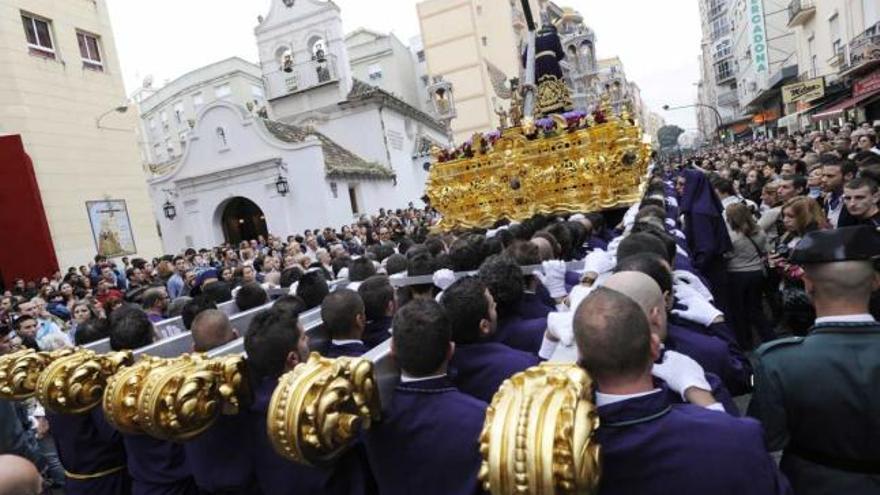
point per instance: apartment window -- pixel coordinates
(720, 27)
(722, 49)
(479, 10)
(178, 112)
(374, 72)
(723, 70)
(420, 55)
(352, 196)
(222, 91)
(89, 50)
(257, 93)
(39, 35)
(834, 31)
(811, 51)
(485, 41)
(198, 100)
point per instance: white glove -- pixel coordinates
(630, 216)
(444, 278)
(679, 234)
(698, 309)
(598, 262)
(613, 245)
(672, 201)
(560, 327)
(578, 294)
(680, 373)
(554, 278)
(343, 273)
(670, 222)
(685, 277)
(680, 250)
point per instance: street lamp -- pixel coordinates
(281, 185)
(169, 210)
(120, 109)
(710, 107)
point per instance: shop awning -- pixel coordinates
(841, 106)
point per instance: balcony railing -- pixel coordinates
(297, 77)
(800, 11)
(864, 49)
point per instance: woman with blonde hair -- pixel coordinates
(746, 275)
(800, 215)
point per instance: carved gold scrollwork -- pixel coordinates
(123, 390)
(20, 371)
(538, 434)
(320, 407)
(75, 383)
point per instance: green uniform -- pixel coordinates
(818, 398)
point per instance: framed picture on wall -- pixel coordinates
(111, 227)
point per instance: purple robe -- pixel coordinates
(650, 446)
(714, 355)
(376, 331)
(428, 442)
(157, 467)
(535, 305)
(87, 444)
(479, 369)
(277, 475)
(521, 333)
(220, 457)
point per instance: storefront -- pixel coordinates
(862, 106)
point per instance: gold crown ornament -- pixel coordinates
(75, 383)
(123, 390)
(564, 163)
(20, 371)
(320, 407)
(538, 434)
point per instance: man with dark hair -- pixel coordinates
(480, 365)
(641, 242)
(289, 304)
(175, 284)
(861, 197)
(430, 423)
(218, 292)
(419, 265)
(275, 344)
(504, 279)
(396, 263)
(466, 254)
(312, 288)
(639, 426)
(835, 173)
(250, 296)
(193, 308)
(343, 315)
(536, 301)
(361, 269)
(379, 307)
(801, 382)
(155, 466)
(791, 186)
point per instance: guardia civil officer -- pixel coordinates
(819, 396)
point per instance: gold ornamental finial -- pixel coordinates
(538, 435)
(20, 371)
(320, 407)
(75, 383)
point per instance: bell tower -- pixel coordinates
(303, 56)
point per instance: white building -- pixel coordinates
(384, 61)
(168, 114)
(718, 68)
(342, 146)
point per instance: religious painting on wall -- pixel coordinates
(111, 227)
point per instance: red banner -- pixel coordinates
(867, 84)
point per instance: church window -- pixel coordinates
(223, 91)
(420, 55)
(284, 57)
(374, 72)
(334, 189)
(222, 140)
(352, 196)
(318, 48)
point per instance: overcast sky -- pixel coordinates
(658, 41)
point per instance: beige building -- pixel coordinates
(60, 81)
(168, 114)
(458, 37)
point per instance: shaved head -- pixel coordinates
(18, 476)
(211, 329)
(645, 292)
(613, 338)
(847, 281)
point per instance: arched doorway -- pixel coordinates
(243, 220)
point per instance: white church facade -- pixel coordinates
(337, 148)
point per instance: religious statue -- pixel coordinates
(552, 95)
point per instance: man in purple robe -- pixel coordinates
(705, 230)
(479, 365)
(504, 279)
(344, 320)
(379, 307)
(156, 466)
(276, 343)
(650, 446)
(428, 442)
